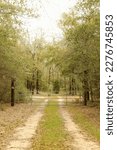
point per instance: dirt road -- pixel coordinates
(22, 137)
(79, 140)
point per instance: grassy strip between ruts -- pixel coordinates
(50, 133)
(87, 118)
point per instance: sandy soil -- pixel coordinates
(22, 136)
(12, 117)
(79, 139)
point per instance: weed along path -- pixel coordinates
(51, 133)
(22, 136)
(79, 140)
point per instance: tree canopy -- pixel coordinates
(71, 64)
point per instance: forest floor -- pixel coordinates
(49, 125)
(12, 117)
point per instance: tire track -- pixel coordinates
(21, 139)
(79, 140)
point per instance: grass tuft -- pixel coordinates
(51, 134)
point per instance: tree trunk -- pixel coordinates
(91, 94)
(30, 86)
(86, 88)
(87, 94)
(49, 77)
(70, 87)
(12, 92)
(73, 83)
(33, 84)
(85, 98)
(37, 83)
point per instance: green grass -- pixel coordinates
(88, 119)
(51, 134)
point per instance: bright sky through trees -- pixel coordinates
(50, 12)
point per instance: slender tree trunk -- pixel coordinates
(75, 87)
(85, 98)
(30, 85)
(91, 94)
(37, 83)
(33, 75)
(70, 87)
(87, 93)
(33, 84)
(49, 81)
(49, 78)
(86, 88)
(12, 92)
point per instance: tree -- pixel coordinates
(81, 37)
(13, 49)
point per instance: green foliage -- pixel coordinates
(21, 92)
(82, 40)
(74, 62)
(14, 53)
